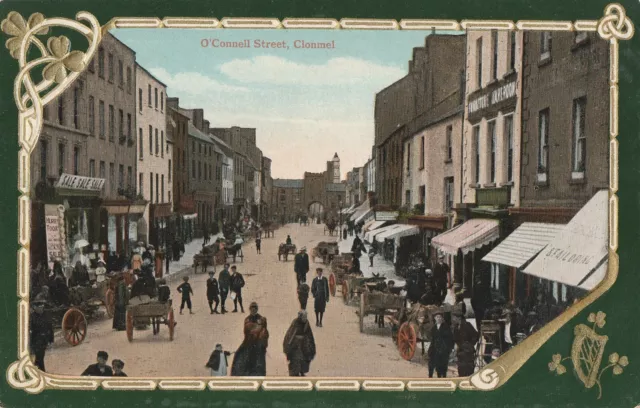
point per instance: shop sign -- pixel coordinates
(53, 233)
(80, 182)
(502, 93)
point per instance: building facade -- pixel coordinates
(287, 200)
(201, 158)
(267, 189)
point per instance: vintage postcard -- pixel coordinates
(329, 204)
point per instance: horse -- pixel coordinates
(284, 250)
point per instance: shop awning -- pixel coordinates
(523, 244)
(467, 237)
(361, 210)
(366, 226)
(373, 225)
(386, 215)
(190, 216)
(348, 210)
(370, 236)
(400, 230)
(578, 254)
(364, 217)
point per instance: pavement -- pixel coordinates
(342, 351)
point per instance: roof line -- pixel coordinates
(152, 76)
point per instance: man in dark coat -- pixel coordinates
(301, 265)
(224, 282)
(80, 275)
(303, 295)
(320, 292)
(288, 241)
(120, 311)
(441, 279)
(466, 337)
(440, 347)
(299, 345)
(100, 369)
(40, 331)
(250, 358)
(213, 292)
(237, 283)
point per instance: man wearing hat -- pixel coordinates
(440, 347)
(441, 279)
(40, 330)
(213, 292)
(299, 345)
(100, 369)
(301, 265)
(466, 337)
(320, 292)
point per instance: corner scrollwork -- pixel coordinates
(615, 24)
(23, 374)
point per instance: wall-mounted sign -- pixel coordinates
(80, 182)
(53, 219)
(493, 97)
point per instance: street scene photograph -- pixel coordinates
(317, 203)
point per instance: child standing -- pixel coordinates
(258, 242)
(218, 362)
(185, 289)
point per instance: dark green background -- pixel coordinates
(532, 386)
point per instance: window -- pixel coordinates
(76, 160)
(149, 95)
(151, 187)
(476, 146)
(140, 99)
(112, 124)
(161, 101)
(129, 83)
(162, 143)
(101, 62)
(103, 170)
(141, 184)
(150, 140)
(508, 133)
(112, 177)
(128, 126)
(169, 174)
(92, 168)
(157, 189)
(120, 74)
(92, 67)
(579, 138)
(423, 194)
(199, 148)
(121, 125)
(157, 143)
(162, 187)
(140, 144)
(110, 67)
(199, 170)
(448, 195)
(76, 96)
(449, 143)
(61, 109)
(545, 45)
(491, 134)
(193, 169)
(61, 157)
(512, 51)
(92, 117)
(129, 177)
(407, 198)
(494, 56)
(543, 141)
(409, 157)
(169, 196)
(156, 97)
(580, 36)
(121, 176)
(44, 162)
(479, 63)
(101, 115)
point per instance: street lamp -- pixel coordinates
(340, 216)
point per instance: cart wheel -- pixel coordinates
(110, 302)
(74, 326)
(361, 314)
(407, 341)
(172, 323)
(129, 326)
(345, 292)
(332, 284)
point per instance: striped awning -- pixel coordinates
(467, 237)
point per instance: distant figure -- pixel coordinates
(466, 337)
(213, 292)
(441, 279)
(186, 291)
(118, 366)
(237, 283)
(100, 369)
(344, 233)
(301, 265)
(224, 281)
(372, 253)
(218, 362)
(258, 243)
(320, 291)
(250, 358)
(120, 310)
(303, 295)
(299, 345)
(288, 242)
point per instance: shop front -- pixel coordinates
(159, 225)
(390, 240)
(120, 222)
(430, 226)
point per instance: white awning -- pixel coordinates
(361, 210)
(348, 210)
(364, 217)
(190, 216)
(467, 237)
(523, 244)
(400, 230)
(370, 236)
(373, 225)
(578, 254)
(366, 226)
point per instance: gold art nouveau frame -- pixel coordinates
(23, 374)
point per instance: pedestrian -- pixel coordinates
(213, 292)
(224, 282)
(299, 345)
(441, 278)
(218, 362)
(440, 347)
(466, 337)
(301, 265)
(100, 369)
(40, 331)
(237, 283)
(258, 242)
(372, 253)
(118, 366)
(120, 306)
(320, 292)
(167, 261)
(250, 358)
(205, 235)
(303, 294)
(186, 291)
(344, 233)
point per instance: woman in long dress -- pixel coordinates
(250, 358)
(120, 313)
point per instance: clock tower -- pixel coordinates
(336, 168)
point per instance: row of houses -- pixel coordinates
(494, 135)
(119, 161)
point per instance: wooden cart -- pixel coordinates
(155, 311)
(340, 267)
(284, 250)
(414, 325)
(325, 250)
(354, 285)
(378, 303)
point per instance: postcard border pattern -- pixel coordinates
(23, 374)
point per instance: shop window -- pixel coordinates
(543, 143)
(491, 135)
(579, 138)
(101, 62)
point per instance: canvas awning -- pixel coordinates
(467, 237)
(523, 244)
(364, 217)
(348, 210)
(366, 226)
(361, 210)
(370, 236)
(578, 255)
(400, 230)
(373, 225)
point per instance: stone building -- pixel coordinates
(86, 158)
(224, 179)
(154, 154)
(267, 189)
(287, 199)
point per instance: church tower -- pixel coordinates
(336, 168)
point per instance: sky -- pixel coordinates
(306, 105)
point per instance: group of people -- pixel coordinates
(217, 290)
(101, 369)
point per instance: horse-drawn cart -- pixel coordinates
(378, 303)
(354, 285)
(414, 325)
(155, 311)
(325, 250)
(284, 250)
(330, 227)
(340, 267)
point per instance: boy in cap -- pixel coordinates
(100, 369)
(118, 366)
(185, 289)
